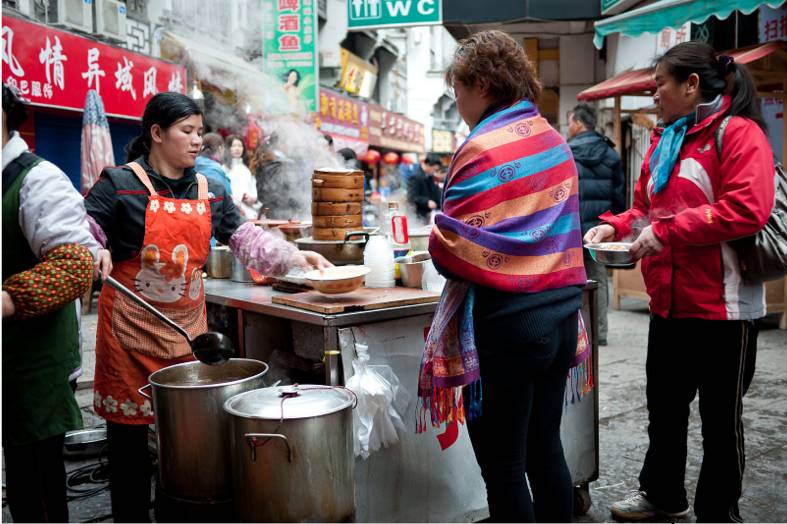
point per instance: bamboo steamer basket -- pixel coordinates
(338, 181)
(335, 208)
(335, 194)
(337, 221)
(331, 233)
(336, 171)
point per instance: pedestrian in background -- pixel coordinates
(703, 338)
(210, 158)
(510, 245)
(601, 189)
(423, 187)
(244, 185)
(48, 263)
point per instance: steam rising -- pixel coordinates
(259, 97)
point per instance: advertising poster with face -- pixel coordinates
(290, 49)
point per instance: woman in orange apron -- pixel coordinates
(157, 215)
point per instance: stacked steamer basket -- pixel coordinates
(337, 195)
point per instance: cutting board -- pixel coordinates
(362, 299)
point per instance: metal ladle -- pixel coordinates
(209, 348)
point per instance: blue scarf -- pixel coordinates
(663, 159)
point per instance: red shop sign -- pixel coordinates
(394, 131)
(56, 68)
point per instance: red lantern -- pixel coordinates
(407, 159)
(391, 158)
(372, 157)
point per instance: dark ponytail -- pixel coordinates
(717, 76)
(163, 109)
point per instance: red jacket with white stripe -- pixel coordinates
(709, 200)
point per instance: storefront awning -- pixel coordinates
(672, 13)
(464, 17)
(640, 82)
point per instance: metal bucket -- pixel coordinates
(239, 272)
(192, 429)
(219, 263)
(292, 454)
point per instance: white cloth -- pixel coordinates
(243, 183)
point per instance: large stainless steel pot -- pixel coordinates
(340, 252)
(192, 427)
(292, 454)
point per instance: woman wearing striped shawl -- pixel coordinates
(506, 331)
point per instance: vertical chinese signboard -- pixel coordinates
(56, 68)
(345, 119)
(289, 29)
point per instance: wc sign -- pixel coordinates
(370, 14)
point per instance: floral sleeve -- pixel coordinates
(64, 275)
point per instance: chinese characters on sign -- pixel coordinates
(55, 68)
(669, 37)
(394, 131)
(345, 119)
(289, 42)
(773, 23)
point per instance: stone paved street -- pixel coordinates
(623, 422)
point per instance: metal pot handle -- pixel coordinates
(251, 439)
(143, 388)
(349, 234)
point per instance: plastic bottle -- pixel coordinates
(396, 224)
(378, 257)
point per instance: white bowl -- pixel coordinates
(337, 279)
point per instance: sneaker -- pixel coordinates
(637, 507)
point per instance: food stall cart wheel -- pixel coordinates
(582, 501)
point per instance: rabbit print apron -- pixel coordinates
(130, 342)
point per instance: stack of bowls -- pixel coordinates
(378, 257)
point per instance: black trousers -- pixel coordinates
(517, 437)
(36, 481)
(130, 472)
(715, 358)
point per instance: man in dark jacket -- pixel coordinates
(423, 187)
(601, 188)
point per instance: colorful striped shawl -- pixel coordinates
(510, 221)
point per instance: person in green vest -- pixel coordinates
(48, 263)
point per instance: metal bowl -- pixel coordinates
(85, 442)
(612, 254)
(419, 238)
(411, 268)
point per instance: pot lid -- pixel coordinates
(290, 402)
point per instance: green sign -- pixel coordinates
(368, 14)
(289, 29)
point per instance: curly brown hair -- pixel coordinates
(501, 61)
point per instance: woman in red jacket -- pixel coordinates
(692, 201)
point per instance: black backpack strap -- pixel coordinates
(720, 134)
(17, 166)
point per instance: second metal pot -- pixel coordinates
(339, 252)
(192, 428)
(292, 454)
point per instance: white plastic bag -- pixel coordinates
(375, 419)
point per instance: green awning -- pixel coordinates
(672, 13)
